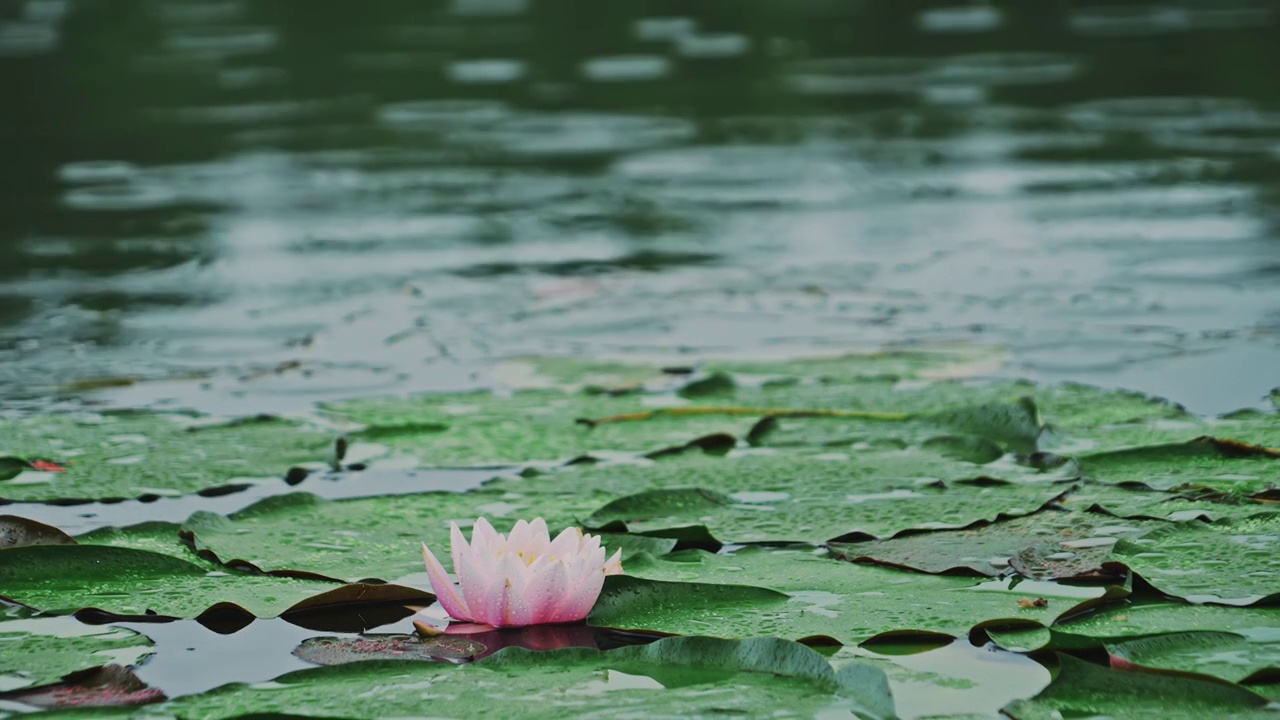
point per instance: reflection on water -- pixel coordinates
(383, 198)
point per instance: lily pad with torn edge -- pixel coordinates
(809, 497)
(1233, 563)
(1048, 545)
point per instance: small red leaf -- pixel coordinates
(47, 466)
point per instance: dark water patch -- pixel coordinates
(643, 261)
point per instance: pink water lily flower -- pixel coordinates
(524, 578)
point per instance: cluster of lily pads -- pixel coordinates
(790, 533)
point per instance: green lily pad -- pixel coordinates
(824, 596)
(148, 454)
(1206, 477)
(1084, 689)
(377, 537)
(1236, 562)
(685, 677)
(65, 578)
(541, 425)
(1052, 544)
(1129, 621)
(811, 498)
(1225, 655)
(1233, 468)
(1135, 502)
(40, 650)
(157, 537)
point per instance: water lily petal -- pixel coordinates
(491, 605)
(566, 543)
(485, 541)
(457, 545)
(444, 588)
(476, 574)
(575, 604)
(614, 566)
(548, 582)
(528, 540)
(516, 610)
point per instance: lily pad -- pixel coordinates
(823, 596)
(540, 425)
(341, 650)
(376, 537)
(1051, 544)
(1085, 689)
(684, 677)
(1127, 621)
(1235, 562)
(41, 650)
(18, 531)
(108, 686)
(1206, 477)
(149, 454)
(1230, 656)
(65, 578)
(808, 498)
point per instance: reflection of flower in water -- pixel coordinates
(525, 578)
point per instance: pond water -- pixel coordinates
(293, 202)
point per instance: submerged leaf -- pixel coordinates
(340, 650)
(41, 650)
(101, 687)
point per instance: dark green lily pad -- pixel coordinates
(1084, 689)
(141, 454)
(1128, 621)
(65, 578)
(1225, 655)
(684, 677)
(789, 498)
(844, 601)
(1231, 464)
(378, 537)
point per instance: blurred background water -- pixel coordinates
(290, 201)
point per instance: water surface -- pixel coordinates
(261, 205)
